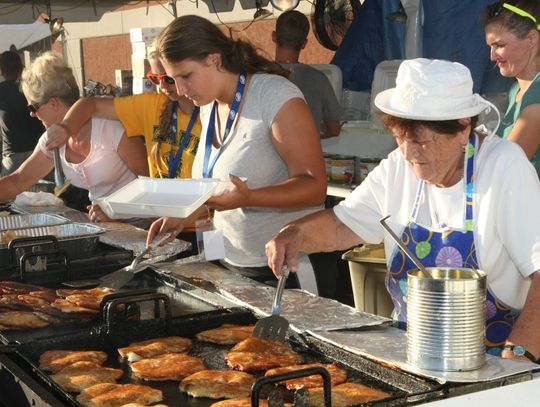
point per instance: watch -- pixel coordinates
(519, 351)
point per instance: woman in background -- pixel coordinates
(98, 157)
(168, 122)
(512, 33)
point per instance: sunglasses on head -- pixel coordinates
(495, 9)
(156, 78)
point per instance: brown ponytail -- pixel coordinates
(194, 37)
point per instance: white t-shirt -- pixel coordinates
(102, 171)
(506, 212)
(248, 152)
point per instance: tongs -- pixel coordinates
(60, 181)
(274, 327)
(117, 279)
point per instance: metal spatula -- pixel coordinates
(274, 327)
(117, 279)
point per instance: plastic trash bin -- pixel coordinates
(367, 267)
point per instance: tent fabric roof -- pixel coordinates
(22, 35)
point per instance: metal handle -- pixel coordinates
(402, 246)
(276, 306)
(316, 370)
(59, 178)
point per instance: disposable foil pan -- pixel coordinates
(78, 240)
(31, 220)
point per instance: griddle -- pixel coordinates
(182, 304)
(26, 357)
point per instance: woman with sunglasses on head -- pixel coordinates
(169, 123)
(512, 33)
(256, 125)
(98, 157)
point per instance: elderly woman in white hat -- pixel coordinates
(457, 195)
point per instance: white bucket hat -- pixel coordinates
(431, 89)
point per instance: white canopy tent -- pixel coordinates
(22, 35)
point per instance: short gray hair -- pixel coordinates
(49, 76)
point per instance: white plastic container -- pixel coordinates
(153, 197)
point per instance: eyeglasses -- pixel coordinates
(495, 9)
(157, 78)
(34, 107)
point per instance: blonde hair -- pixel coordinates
(49, 76)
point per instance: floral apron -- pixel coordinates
(446, 247)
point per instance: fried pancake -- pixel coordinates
(21, 320)
(346, 394)
(70, 307)
(217, 384)
(31, 301)
(114, 395)
(46, 294)
(81, 375)
(142, 405)
(51, 319)
(95, 292)
(170, 366)
(14, 287)
(337, 376)
(153, 347)
(238, 402)
(260, 354)
(56, 360)
(226, 334)
(10, 302)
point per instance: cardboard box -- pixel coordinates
(143, 85)
(139, 66)
(124, 80)
(139, 49)
(144, 34)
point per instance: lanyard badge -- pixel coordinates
(235, 105)
(175, 159)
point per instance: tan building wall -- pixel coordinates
(102, 55)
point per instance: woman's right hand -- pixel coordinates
(165, 225)
(57, 136)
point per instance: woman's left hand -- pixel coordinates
(236, 198)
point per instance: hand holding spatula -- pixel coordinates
(274, 327)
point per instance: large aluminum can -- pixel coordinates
(446, 318)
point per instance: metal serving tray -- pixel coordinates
(31, 220)
(76, 240)
(65, 232)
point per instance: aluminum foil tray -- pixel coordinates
(63, 232)
(78, 240)
(31, 220)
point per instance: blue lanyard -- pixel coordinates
(174, 159)
(207, 165)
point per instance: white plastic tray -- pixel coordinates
(151, 197)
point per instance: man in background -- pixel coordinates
(290, 37)
(20, 132)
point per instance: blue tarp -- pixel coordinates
(451, 30)
(370, 39)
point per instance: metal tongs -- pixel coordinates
(118, 278)
(274, 327)
(405, 249)
(60, 181)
